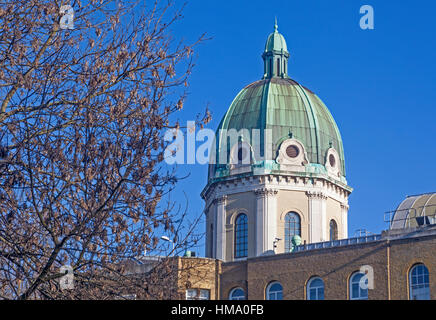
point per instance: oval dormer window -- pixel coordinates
(332, 160)
(292, 151)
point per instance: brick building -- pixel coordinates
(392, 256)
(400, 265)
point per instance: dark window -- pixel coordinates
(237, 294)
(240, 154)
(278, 67)
(244, 154)
(333, 230)
(292, 228)
(241, 236)
(332, 160)
(292, 151)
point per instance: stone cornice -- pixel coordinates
(277, 180)
(239, 184)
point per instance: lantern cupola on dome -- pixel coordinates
(276, 55)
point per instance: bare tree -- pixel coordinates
(82, 116)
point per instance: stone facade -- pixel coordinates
(266, 200)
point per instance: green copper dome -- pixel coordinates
(289, 111)
(276, 42)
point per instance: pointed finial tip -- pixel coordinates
(276, 27)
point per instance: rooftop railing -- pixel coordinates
(337, 243)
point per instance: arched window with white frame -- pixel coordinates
(274, 291)
(358, 287)
(419, 282)
(315, 289)
(237, 294)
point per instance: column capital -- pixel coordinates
(220, 200)
(263, 192)
(344, 206)
(316, 195)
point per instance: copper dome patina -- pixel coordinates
(276, 41)
(289, 110)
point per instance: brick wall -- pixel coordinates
(198, 273)
(390, 260)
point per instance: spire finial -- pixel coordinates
(276, 27)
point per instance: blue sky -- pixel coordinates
(380, 86)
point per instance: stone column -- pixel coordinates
(344, 215)
(317, 217)
(266, 220)
(213, 245)
(220, 234)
